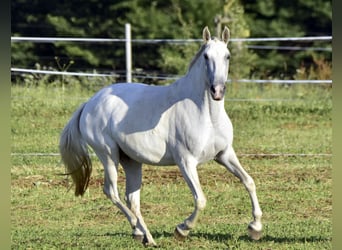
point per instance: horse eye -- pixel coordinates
(206, 56)
(228, 56)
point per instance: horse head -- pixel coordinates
(216, 58)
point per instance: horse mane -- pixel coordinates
(195, 58)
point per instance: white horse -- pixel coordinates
(184, 123)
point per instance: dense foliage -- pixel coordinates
(291, 18)
(169, 19)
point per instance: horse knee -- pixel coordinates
(250, 184)
(201, 204)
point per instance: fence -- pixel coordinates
(128, 51)
(128, 45)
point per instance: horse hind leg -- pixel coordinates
(110, 188)
(133, 171)
(229, 159)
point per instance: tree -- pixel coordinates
(276, 18)
(171, 19)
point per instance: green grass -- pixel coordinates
(294, 192)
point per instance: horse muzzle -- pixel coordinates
(217, 91)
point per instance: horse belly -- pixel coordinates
(146, 147)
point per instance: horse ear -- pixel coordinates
(206, 34)
(225, 35)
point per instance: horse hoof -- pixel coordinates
(178, 235)
(139, 237)
(149, 243)
(143, 239)
(254, 234)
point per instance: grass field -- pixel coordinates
(295, 192)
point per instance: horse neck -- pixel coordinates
(195, 86)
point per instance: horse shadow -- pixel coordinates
(226, 238)
(275, 239)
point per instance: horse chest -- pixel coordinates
(204, 141)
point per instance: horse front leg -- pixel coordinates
(189, 172)
(229, 159)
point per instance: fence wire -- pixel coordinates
(177, 41)
(276, 81)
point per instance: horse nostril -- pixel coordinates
(212, 89)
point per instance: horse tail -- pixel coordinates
(74, 152)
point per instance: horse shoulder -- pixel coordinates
(219, 137)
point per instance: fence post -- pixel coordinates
(128, 52)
